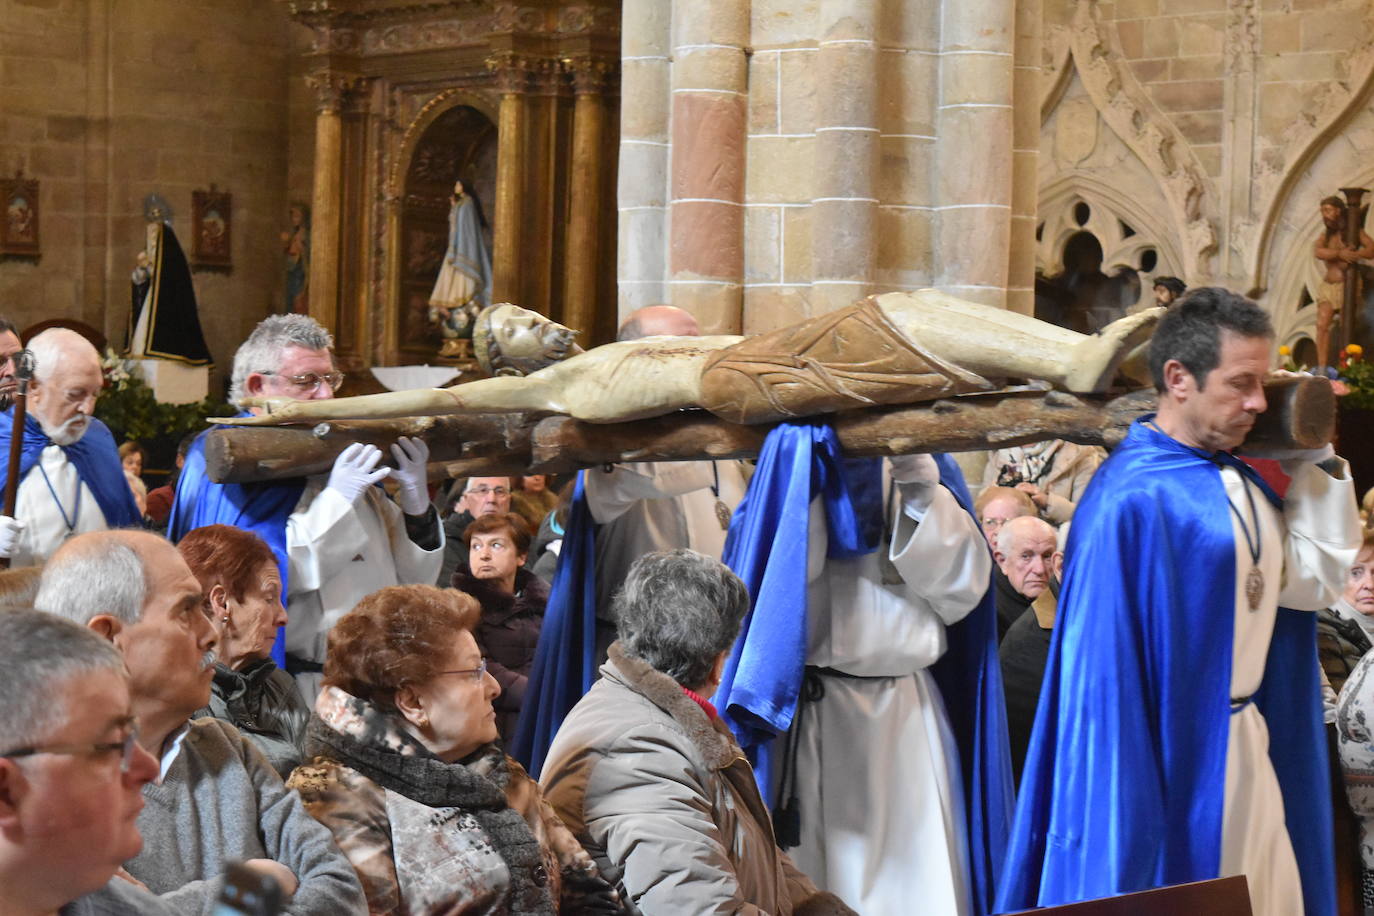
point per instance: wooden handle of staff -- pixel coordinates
(23, 372)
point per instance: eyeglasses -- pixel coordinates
(993, 524)
(475, 673)
(310, 381)
(125, 747)
(483, 490)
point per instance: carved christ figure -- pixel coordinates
(1337, 257)
(895, 348)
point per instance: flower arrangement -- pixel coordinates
(129, 408)
(1356, 376)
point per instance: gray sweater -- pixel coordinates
(221, 800)
(118, 898)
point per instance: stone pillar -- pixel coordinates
(512, 79)
(326, 206)
(642, 183)
(709, 118)
(1025, 176)
(589, 78)
(973, 169)
(845, 206)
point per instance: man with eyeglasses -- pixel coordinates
(481, 496)
(214, 797)
(10, 346)
(71, 772)
(337, 536)
(71, 477)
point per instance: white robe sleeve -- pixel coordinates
(942, 556)
(320, 540)
(414, 564)
(610, 496)
(1323, 537)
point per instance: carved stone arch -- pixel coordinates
(1309, 137)
(431, 111)
(1152, 137)
(1111, 214)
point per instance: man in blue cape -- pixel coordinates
(1179, 733)
(70, 477)
(337, 537)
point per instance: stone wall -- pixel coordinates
(106, 102)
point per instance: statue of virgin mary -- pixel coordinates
(463, 287)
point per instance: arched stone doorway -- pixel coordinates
(460, 143)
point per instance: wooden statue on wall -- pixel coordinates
(19, 226)
(463, 287)
(211, 225)
(1342, 244)
(296, 245)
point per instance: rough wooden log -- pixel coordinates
(1301, 414)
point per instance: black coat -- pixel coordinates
(263, 703)
(508, 635)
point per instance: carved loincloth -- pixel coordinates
(853, 357)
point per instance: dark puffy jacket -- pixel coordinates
(508, 635)
(262, 702)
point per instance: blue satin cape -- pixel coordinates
(767, 548)
(565, 657)
(261, 508)
(95, 457)
(1125, 775)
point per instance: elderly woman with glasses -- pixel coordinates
(433, 815)
(238, 573)
(647, 775)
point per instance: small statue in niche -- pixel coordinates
(1337, 255)
(164, 321)
(296, 245)
(463, 287)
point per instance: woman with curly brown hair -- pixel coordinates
(433, 815)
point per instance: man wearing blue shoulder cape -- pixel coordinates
(337, 536)
(70, 477)
(1179, 733)
(862, 575)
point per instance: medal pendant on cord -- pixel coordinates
(723, 514)
(1254, 587)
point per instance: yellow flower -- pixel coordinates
(1285, 350)
(1355, 350)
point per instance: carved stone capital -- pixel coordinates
(590, 75)
(334, 91)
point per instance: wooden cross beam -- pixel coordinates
(1301, 414)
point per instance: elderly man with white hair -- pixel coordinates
(71, 772)
(71, 477)
(216, 797)
(337, 536)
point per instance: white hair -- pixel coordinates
(39, 653)
(94, 575)
(52, 347)
(1022, 523)
(262, 351)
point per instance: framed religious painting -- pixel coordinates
(212, 228)
(19, 219)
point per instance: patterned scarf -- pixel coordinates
(358, 735)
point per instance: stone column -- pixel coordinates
(709, 124)
(973, 169)
(642, 182)
(1025, 176)
(844, 210)
(326, 207)
(589, 78)
(512, 79)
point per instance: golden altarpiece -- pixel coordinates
(519, 100)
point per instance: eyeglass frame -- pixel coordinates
(334, 379)
(125, 747)
(483, 490)
(477, 672)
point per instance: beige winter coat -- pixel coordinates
(665, 802)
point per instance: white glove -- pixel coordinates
(918, 476)
(411, 475)
(11, 530)
(355, 470)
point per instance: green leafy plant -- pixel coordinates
(1357, 376)
(129, 407)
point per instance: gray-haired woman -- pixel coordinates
(647, 776)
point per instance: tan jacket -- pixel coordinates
(665, 802)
